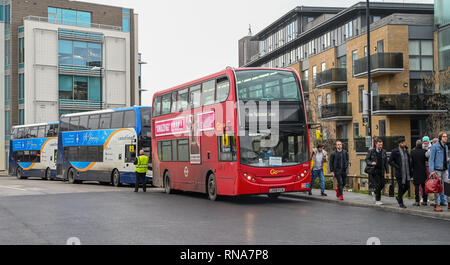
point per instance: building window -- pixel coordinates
(444, 48)
(314, 72)
(69, 17)
(7, 90)
(21, 117)
(7, 122)
(7, 53)
(126, 20)
(421, 55)
(342, 61)
(79, 88)
(1, 14)
(21, 88)
(7, 13)
(319, 106)
(380, 46)
(80, 53)
(355, 130)
(21, 50)
(361, 98)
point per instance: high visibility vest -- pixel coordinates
(142, 166)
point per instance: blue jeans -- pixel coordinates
(314, 175)
(442, 198)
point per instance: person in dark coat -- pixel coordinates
(377, 161)
(419, 172)
(339, 164)
(401, 161)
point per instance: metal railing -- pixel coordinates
(389, 143)
(73, 23)
(396, 102)
(388, 61)
(333, 76)
(85, 104)
(336, 110)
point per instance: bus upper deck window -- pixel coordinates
(223, 89)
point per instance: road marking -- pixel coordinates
(7, 187)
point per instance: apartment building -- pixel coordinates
(64, 56)
(328, 48)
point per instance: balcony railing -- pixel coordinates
(339, 111)
(81, 104)
(380, 63)
(73, 23)
(305, 86)
(331, 78)
(389, 143)
(405, 104)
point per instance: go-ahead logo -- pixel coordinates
(274, 172)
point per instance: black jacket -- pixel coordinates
(418, 162)
(396, 161)
(372, 157)
(333, 161)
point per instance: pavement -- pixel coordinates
(363, 200)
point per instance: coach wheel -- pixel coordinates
(19, 173)
(167, 187)
(48, 174)
(116, 178)
(212, 187)
(71, 176)
(273, 195)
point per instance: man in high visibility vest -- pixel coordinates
(141, 163)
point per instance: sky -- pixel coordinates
(182, 40)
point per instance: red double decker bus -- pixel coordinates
(239, 131)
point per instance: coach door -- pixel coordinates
(130, 156)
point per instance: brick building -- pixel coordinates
(64, 56)
(328, 48)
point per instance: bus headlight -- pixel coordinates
(249, 178)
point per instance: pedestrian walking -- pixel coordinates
(339, 164)
(319, 156)
(439, 159)
(377, 167)
(419, 172)
(141, 163)
(401, 161)
(442, 199)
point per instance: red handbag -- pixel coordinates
(434, 185)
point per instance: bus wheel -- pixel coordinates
(48, 174)
(212, 187)
(19, 173)
(116, 178)
(167, 187)
(273, 195)
(71, 176)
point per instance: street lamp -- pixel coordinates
(97, 68)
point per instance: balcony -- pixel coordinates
(72, 104)
(88, 25)
(305, 86)
(337, 112)
(380, 64)
(405, 104)
(331, 78)
(389, 143)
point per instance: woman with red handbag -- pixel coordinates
(438, 168)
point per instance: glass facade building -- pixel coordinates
(69, 17)
(441, 12)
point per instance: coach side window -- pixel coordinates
(13, 133)
(195, 96)
(130, 119)
(174, 102)
(93, 122)
(182, 103)
(33, 132)
(117, 120)
(208, 92)
(105, 121)
(166, 104)
(223, 89)
(20, 134)
(74, 123)
(157, 107)
(64, 124)
(84, 122)
(41, 132)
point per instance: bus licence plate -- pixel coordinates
(276, 190)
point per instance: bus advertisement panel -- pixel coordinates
(240, 131)
(102, 145)
(33, 151)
